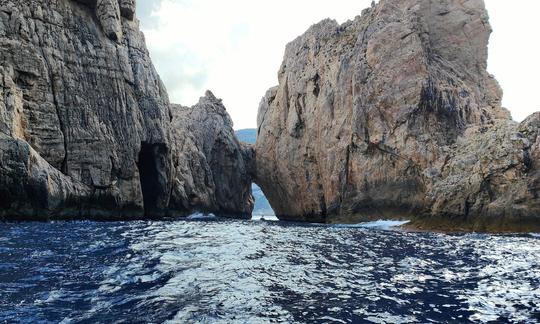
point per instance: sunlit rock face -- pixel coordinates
(374, 118)
(85, 121)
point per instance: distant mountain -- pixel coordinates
(247, 135)
(262, 206)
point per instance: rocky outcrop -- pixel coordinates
(85, 120)
(394, 115)
(261, 207)
(31, 185)
(213, 170)
(489, 181)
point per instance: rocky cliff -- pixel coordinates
(262, 206)
(213, 170)
(86, 128)
(394, 115)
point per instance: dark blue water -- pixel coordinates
(260, 272)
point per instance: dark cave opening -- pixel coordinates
(150, 174)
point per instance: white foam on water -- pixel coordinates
(380, 224)
(384, 224)
(200, 216)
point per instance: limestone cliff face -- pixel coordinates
(85, 120)
(213, 170)
(489, 180)
(372, 118)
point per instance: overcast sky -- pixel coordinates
(235, 47)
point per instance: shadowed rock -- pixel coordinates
(212, 167)
(127, 8)
(85, 121)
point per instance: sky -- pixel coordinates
(235, 47)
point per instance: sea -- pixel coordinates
(211, 270)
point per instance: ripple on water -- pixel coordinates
(240, 271)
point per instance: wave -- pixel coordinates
(381, 224)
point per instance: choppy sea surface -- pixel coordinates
(219, 271)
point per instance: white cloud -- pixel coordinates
(235, 47)
(513, 53)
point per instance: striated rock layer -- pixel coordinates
(86, 128)
(393, 115)
(213, 170)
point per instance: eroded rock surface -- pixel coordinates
(84, 118)
(382, 116)
(213, 170)
(488, 181)
(31, 185)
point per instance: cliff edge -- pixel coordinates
(86, 127)
(393, 115)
